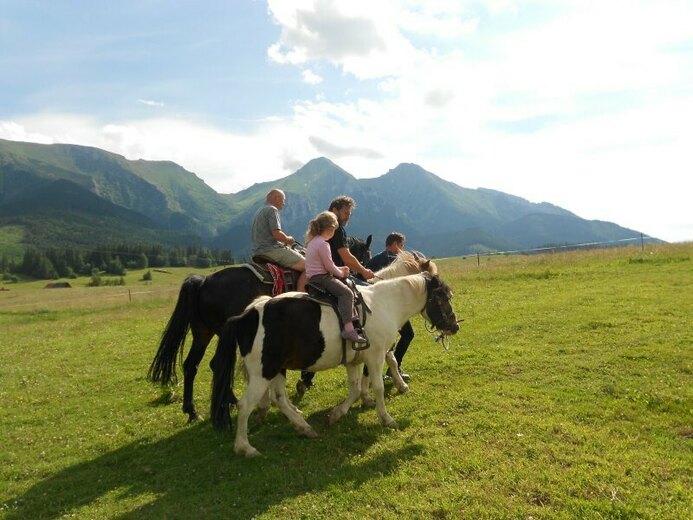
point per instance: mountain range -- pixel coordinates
(66, 195)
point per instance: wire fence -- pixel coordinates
(642, 239)
(84, 297)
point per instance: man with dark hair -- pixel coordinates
(270, 241)
(342, 207)
(394, 243)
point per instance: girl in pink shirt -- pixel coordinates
(322, 271)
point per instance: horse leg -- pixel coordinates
(354, 375)
(274, 396)
(366, 400)
(392, 364)
(264, 405)
(201, 338)
(257, 388)
(375, 370)
(278, 386)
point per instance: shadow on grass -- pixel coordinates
(195, 473)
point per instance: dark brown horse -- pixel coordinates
(204, 304)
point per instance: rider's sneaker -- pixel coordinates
(352, 335)
(302, 386)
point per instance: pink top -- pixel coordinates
(319, 258)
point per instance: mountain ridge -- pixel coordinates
(439, 217)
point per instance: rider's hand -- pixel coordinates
(290, 240)
(367, 274)
(345, 271)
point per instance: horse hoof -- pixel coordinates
(310, 433)
(248, 452)
(391, 423)
(403, 389)
(194, 417)
(367, 402)
(332, 418)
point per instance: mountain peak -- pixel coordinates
(321, 166)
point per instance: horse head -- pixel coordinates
(438, 309)
(423, 263)
(361, 249)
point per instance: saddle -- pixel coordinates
(281, 278)
(323, 297)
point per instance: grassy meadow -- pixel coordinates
(568, 393)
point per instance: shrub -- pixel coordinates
(95, 278)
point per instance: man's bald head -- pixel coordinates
(276, 198)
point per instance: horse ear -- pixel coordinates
(369, 240)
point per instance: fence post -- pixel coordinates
(478, 262)
(129, 295)
(642, 242)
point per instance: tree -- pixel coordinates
(115, 266)
(226, 258)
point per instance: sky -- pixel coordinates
(585, 104)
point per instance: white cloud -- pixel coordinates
(311, 78)
(358, 36)
(13, 131)
(151, 103)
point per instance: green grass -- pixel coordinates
(568, 393)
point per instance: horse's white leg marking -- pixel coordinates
(366, 400)
(392, 364)
(375, 371)
(264, 405)
(278, 385)
(354, 375)
(257, 388)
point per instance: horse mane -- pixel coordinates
(406, 263)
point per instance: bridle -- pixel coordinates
(434, 297)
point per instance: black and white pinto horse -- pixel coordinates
(294, 332)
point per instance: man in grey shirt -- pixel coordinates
(270, 241)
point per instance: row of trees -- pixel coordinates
(115, 260)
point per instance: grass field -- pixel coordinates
(568, 393)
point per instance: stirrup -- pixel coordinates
(359, 346)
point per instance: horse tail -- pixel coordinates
(223, 366)
(163, 367)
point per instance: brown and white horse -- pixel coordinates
(293, 332)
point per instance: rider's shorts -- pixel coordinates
(283, 256)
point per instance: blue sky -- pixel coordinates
(587, 105)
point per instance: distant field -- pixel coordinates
(568, 393)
